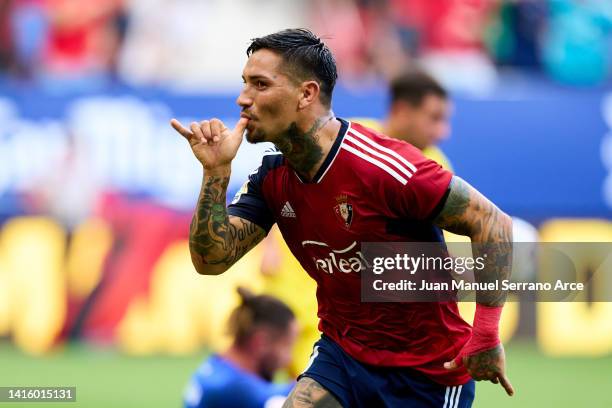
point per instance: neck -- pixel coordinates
(391, 130)
(396, 131)
(306, 148)
(241, 359)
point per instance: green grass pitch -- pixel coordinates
(107, 378)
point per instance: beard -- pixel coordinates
(299, 148)
(255, 136)
(266, 369)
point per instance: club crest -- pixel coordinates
(344, 210)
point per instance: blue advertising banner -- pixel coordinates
(538, 154)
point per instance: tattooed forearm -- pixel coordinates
(308, 393)
(214, 239)
(467, 212)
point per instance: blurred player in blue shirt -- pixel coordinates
(264, 331)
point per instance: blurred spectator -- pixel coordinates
(28, 31)
(365, 40)
(194, 45)
(82, 41)
(451, 39)
(446, 25)
(380, 38)
(387, 44)
(515, 36)
(340, 23)
(577, 46)
(6, 43)
(70, 192)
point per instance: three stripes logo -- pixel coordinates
(452, 396)
(287, 211)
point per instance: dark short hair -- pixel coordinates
(304, 55)
(256, 311)
(414, 85)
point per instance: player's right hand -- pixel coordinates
(212, 143)
(487, 365)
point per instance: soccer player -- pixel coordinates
(419, 112)
(330, 185)
(264, 331)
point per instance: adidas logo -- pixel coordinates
(287, 211)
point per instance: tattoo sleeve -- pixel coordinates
(217, 240)
(467, 212)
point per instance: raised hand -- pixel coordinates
(212, 143)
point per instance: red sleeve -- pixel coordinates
(422, 195)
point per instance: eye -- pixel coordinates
(260, 84)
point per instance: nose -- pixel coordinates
(243, 100)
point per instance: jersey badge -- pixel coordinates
(344, 210)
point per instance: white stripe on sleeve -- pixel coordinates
(384, 149)
(380, 155)
(376, 163)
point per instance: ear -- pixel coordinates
(401, 107)
(309, 94)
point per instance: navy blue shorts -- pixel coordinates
(355, 384)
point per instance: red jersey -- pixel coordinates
(370, 188)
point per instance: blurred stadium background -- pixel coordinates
(96, 191)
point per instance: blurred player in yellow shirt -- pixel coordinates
(419, 113)
(285, 279)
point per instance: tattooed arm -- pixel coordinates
(216, 240)
(467, 212)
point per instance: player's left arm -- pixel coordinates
(467, 212)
